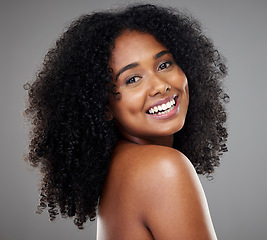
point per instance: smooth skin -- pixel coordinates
(152, 190)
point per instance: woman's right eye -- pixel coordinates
(132, 80)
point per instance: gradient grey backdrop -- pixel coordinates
(237, 196)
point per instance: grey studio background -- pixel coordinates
(237, 196)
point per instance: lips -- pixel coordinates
(163, 107)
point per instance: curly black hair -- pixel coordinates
(71, 139)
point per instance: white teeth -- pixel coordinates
(151, 110)
(162, 109)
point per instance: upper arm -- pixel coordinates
(173, 204)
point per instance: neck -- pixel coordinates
(163, 141)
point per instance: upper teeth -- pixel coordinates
(162, 107)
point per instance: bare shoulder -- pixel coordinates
(150, 161)
(167, 192)
(160, 166)
(147, 170)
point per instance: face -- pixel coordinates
(153, 89)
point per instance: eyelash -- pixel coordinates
(169, 63)
(160, 68)
(128, 81)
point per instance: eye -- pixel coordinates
(132, 80)
(164, 65)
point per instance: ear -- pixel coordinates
(109, 115)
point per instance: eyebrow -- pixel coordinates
(135, 64)
(160, 54)
(129, 66)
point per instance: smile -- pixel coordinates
(163, 108)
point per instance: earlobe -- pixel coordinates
(109, 115)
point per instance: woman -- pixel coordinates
(114, 131)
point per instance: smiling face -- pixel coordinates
(153, 89)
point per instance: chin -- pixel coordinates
(170, 130)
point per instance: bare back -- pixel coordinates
(119, 216)
(139, 184)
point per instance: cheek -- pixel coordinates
(182, 81)
(186, 93)
(128, 105)
(132, 100)
(186, 88)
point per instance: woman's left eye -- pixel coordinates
(164, 65)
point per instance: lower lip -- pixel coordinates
(166, 115)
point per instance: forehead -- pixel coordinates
(133, 46)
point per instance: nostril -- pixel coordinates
(168, 88)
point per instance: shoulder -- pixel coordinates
(157, 167)
(167, 192)
(147, 169)
(152, 161)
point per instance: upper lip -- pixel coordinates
(160, 102)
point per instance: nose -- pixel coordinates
(158, 86)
